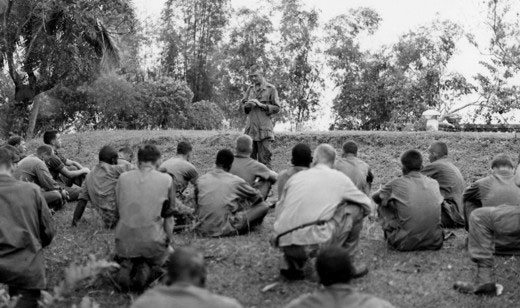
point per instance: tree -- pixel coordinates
(297, 70)
(192, 32)
(248, 44)
(51, 42)
(497, 89)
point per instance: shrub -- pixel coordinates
(205, 115)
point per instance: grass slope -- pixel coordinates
(241, 266)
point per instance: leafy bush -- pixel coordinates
(205, 115)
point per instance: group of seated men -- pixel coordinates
(322, 203)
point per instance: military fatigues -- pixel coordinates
(494, 190)
(259, 124)
(285, 176)
(452, 185)
(227, 205)
(338, 295)
(494, 230)
(411, 213)
(254, 173)
(357, 170)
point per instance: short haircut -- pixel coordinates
(325, 153)
(108, 154)
(185, 263)
(148, 153)
(244, 144)
(350, 147)
(334, 265)
(49, 136)
(15, 154)
(412, 160)
(224, 159)
(184, 148)
(44, 150)
(301, 155)
(6, 157)
(14, 140)
(440, 148)
(502, 160)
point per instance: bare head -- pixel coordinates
(187, 265)
(52, 138)
(126, 153)
(184, 149)
(502, 161)
(324, 154)
(411, 160)
(334, 266)
(149, 155)
(108, 155)
(244, 145)
(17, 142)
(44, 152)
(301, 155)
(224, 159)
(437, 150)
(350, 147)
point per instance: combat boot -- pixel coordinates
(483, 284)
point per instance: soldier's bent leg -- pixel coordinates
(264, 187)
(53, 199)
(507, 230)
(264, 152)
(450, 216)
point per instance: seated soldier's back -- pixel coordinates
(181, 169)
(26, 169)
(141, 196)
(217, 197)
(338, 296)
(416, 202)
(100, 184)
(249, 169)
(499, 188)
(353, 170)
(450, 179)
(183, 295)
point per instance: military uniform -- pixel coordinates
(259, 124)
(254, 173)
(357, 170)
(452, 185)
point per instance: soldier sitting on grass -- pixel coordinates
(100, 188)
(185, 287)
(335, 271)
(225, 203)
(145, 200)
(182, 172)
(252, 171)
(410, 208)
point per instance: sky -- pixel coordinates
(398, 17)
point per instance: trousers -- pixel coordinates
(348, 221)
(493, 230)
(262, 152)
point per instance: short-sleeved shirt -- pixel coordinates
(259, 125)
(310, 196)
(285, 175)
(34, 170)
(55, 165)
(182, 170)
(183, 296)
(25, 228)
(450, 179)
(411, 212)
(339, 295)
(144, 198)
(356, 169)
(219, 197)
(99, 186)
(496, 189)
(249, 169)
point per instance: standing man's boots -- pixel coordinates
(483, 284)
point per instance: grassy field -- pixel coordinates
(241, 266)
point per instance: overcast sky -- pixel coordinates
(398, 17)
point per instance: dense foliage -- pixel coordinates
(91, 64)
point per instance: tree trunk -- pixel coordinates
(33, 117)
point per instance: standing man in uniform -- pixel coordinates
(259, 103)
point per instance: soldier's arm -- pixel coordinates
(244, 105)
(273, 106)
(47, 230)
